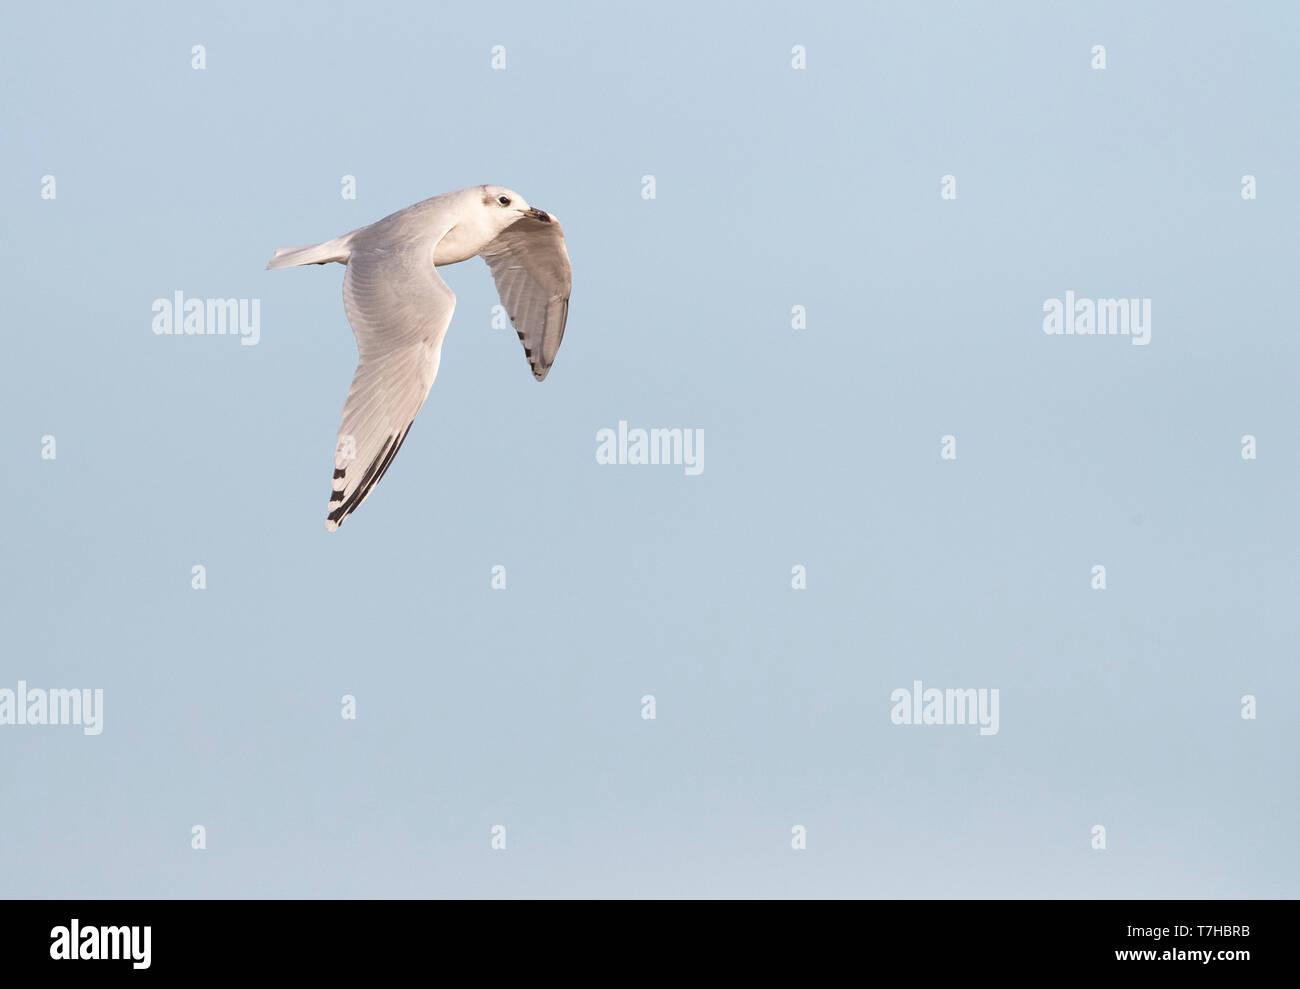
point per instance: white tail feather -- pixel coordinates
(331, 250)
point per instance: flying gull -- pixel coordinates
(400, 308)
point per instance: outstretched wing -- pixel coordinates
(531, 269)
(399, 309)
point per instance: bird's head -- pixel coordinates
(505, 206)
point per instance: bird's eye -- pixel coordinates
(503, 200)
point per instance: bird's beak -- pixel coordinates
(538, 214)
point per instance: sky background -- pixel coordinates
(774, 188)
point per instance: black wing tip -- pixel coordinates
(374, 473)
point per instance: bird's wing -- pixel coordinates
(399, 309)
(533, 277)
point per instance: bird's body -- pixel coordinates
(399, 308)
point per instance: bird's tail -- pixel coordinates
(331, 250)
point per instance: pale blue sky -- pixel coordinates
(775, 187)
